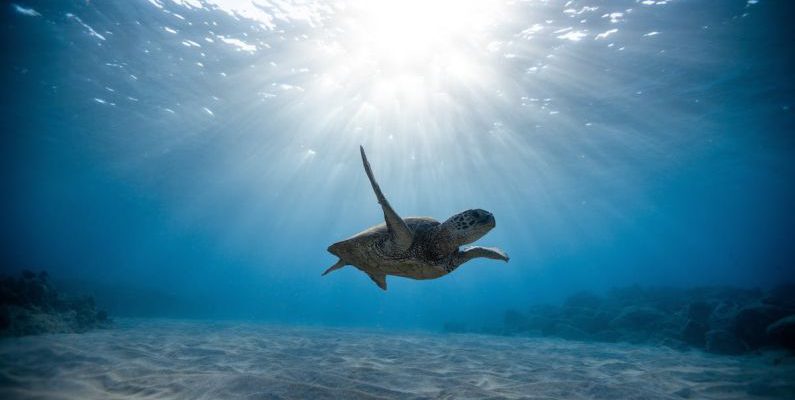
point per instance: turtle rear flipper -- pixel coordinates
(339, 264)
(379, 279)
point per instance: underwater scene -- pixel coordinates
(415, 199)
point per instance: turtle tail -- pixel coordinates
(334, 267)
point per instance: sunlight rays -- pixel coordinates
(416, 35)
(462, 103)
(395, 57)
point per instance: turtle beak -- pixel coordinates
(487, 218)
(491, 221)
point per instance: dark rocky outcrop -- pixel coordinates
(751, 323)
(720, 320)
(781, 296)
(694, 333)
(782, 332)
(637, 318)
(30, 305)
(721, 341)
(699, 311)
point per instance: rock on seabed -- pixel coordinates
(30, 305)
(722, 320)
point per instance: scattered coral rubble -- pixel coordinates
(30, 305)
(717, 319)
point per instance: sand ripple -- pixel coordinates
(205, 360)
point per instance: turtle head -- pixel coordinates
(468, 226)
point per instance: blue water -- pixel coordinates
(196, 158)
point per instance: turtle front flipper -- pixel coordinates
(476, 252)
(399, 233)
(486, 252)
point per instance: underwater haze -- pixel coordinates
(196, 158)
(206, 152)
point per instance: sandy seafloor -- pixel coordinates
(149, 359)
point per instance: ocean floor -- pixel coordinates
(207, 360)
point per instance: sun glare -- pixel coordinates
(413, 32)
(397, 47)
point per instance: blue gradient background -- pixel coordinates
(667, 163)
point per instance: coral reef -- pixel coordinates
(719, 320)
(30, 305)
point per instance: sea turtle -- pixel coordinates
(414, 247)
